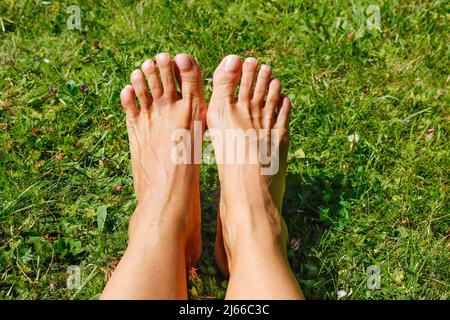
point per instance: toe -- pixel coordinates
(273, 97)
(189, 76)
(128, 99)
(248, 78)
(150, 71)
(164, 63)
(226, 77)
(284, 109)
(262, 85)
(140, 88)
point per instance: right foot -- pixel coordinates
(168, 193)
(250, 205)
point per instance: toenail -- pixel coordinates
(232, 63)
(251, 60)
(163, 57)
(135, 74)
(266, 68)
(148, 64)
(184, 62)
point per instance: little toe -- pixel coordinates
(226, 77)
(249, 69)
(151, 73)
(284, 110)
(164, 63)
(128, 99)
(140, 88)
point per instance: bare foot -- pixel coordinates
(168, 193)
(250, 206)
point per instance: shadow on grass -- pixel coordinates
(314, 206)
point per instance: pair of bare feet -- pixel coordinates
(164, 231)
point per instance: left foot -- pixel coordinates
(168, 193)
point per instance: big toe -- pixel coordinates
(226, 77)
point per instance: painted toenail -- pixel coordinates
(232, 63)
(251, 60)
(163, 57)
(184, 62)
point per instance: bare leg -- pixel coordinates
(252, 235)
(164, 231)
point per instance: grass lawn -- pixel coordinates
(379, 203)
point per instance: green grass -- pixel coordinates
(383, 202)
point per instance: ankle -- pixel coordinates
(252, 230)
(153, 221)
(255, 249)
(252, 217)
